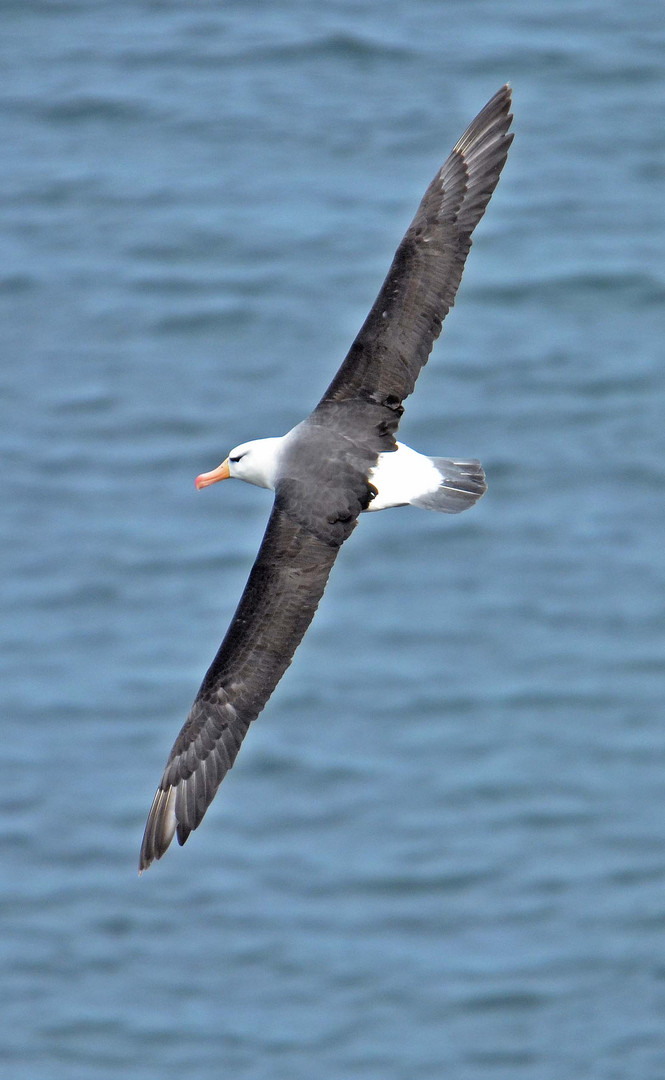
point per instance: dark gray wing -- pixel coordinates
(400, 330)
(277, 606)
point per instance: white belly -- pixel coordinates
(401, 477)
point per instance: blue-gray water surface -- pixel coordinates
(441, 852)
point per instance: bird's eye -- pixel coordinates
(236, 458)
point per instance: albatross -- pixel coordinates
(339, 462)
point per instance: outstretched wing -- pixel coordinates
(405, 321)
(277, 606)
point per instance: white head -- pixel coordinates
(254, 462)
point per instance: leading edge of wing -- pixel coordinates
(397, 336)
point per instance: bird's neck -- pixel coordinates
(264, 462)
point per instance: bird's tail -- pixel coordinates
(462, 484)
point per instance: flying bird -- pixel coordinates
(342, 460)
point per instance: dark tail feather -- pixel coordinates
(462, 484)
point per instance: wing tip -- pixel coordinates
(493, 120)
(483, 150)
(160, 828)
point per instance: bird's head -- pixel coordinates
(254, 462)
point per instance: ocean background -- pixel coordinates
(442, 850)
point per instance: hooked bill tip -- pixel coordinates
(207, 478)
